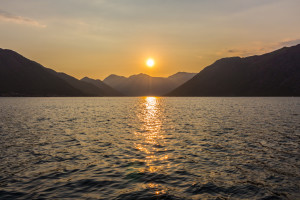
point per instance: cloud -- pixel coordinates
(8, 17)
(233, 51)
(290, 42)
(244, 51)
(238, 51)
(258, 48)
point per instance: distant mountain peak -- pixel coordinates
(144, 84)
(180, 74)
(114, 75)
(140, 75)
(101, 85)
(87, 78)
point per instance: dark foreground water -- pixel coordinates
(150, 148)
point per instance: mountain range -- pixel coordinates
(145, 85)
(272, 74)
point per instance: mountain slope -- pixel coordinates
(107, 90)
(181, 77)
(145, 85)
(272, 74)
(20, 76)
(115, 81)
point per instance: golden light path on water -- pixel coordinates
(151, 139)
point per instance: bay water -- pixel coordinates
(150, 148)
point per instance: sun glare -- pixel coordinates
(150, 62)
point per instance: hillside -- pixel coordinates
(272, 74)
(20, 76)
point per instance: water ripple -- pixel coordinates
(150, 148)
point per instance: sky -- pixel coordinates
(96, 38)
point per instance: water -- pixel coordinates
(150, 148)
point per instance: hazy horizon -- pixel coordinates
(99, 38)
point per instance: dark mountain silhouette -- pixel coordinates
(181, 77)
(143, 84)
(20, 76)
(115, 81)
(272, 74)
(109, 91)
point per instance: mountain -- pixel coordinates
(20, 76)
(145, 85)
(115, 81)
(272, 74)
(181, 77)
(109, 91)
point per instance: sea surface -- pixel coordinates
(150, 148)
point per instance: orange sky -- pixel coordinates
(97, 38)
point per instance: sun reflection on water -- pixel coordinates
(150, 134)
(151, 141)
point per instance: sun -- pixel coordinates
(150, 62)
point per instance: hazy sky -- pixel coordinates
(97, 38)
